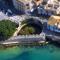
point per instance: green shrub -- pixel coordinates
(27, 30)
(7, 28)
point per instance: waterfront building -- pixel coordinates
(58, 9)
(53, 5)
(26, 5)
(22, 5)
(54, 23)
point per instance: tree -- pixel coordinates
(7, 28)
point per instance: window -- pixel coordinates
(56, 6)
(50, 5)
(27, 5)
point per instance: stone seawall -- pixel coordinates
(25, 39)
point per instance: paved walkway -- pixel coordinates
(3, 16)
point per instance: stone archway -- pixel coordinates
(30, 22)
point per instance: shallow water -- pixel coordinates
(48, 52)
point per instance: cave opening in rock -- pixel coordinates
(32, 27)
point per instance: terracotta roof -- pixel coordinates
(37, 2)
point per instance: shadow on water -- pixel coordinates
(55, 43)
(23, 56)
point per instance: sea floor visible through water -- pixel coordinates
(47, 52)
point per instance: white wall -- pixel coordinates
(15, 3)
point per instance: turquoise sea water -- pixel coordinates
(48, 52)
